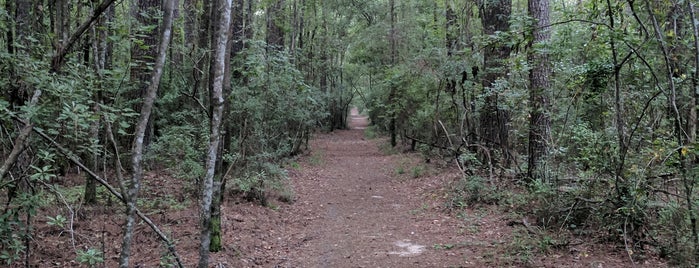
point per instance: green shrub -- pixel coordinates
(371, 132)
(90, 257)
(472, 190)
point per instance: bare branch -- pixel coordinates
(57, 60)
(21, 140)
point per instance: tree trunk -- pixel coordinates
(62, 48)
(452, 46)
(190, 24)
(681, 136)
(101, 50)
(61, 19)
(220, 43)
(276, 18)
(695, 74)
(131, 195)
(539, 120)
(693, 119)
(249, 15)
(392, 128)
(145, 12)
(18, 92)
(494, 120)
(233, 47)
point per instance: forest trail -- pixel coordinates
(354, 205)
(357, 206)
(364, 215)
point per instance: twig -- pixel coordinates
(426, 143)
(72, 214)
(490, 161)
(117, 159)
(458, 161)
(201, 105)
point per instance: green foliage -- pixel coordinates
(418, 171)
(261, 178)
(443, 246)
(167, 260)
(295, 165)
(12, 233)
(13, 229)
(591, 150)
(287, 194)
(273, 112)
(521, 249)
(90, 257)
(472, 190)
(673, 224)
(58, 221)
(179, 150)
(316, 158)
(407, 165)
(370, 132)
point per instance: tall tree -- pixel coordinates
(61, 15)
(217, 67)
(276, 20)
(537, 57)
(137, 146)
(224, 165)
(101, 60)
(19, 37)
(392, 98)
(145, 15)
(494, 121)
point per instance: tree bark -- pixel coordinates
(680, 133)
(145, 13)
(233, 47)
(494, 120)
(220, 44)
(695, 74)
(101, 51)
(190, 24)
(276, 18)
(141, 127)
(539, 120)
(392, 128)
(693, 121)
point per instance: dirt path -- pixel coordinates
(355, 206)
(359, 207)
(361, 215)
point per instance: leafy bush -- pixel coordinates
(472, 190)
(90, 257)
(260, 178)
(179, 150)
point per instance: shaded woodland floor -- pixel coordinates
(354, 206)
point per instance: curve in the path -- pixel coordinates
(358, 121)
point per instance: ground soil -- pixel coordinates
(354, 206)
